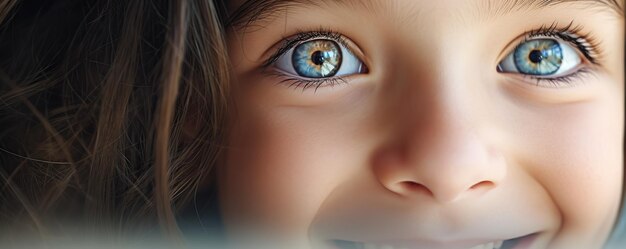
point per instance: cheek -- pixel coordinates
(575, 152)
(283, 162)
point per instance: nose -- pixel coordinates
(444, 158)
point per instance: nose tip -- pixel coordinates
(447, 179)
(448, 153)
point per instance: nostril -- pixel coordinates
(414, 187)
(482, 185)
(443, 193)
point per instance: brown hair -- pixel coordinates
(97, 102)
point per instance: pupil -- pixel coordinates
(318, 58)
(535, 56)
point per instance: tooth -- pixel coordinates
(499, 244)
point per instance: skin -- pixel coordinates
(432, 146)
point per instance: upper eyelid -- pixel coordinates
(288, 43)
(555, 33)
(293, 41)
(552, 31)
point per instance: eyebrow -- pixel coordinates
(252, 11)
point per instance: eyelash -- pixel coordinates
(585, 43)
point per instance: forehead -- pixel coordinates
(249, 11)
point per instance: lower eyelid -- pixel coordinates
(547, 92)
(575, 78)
(297, 82)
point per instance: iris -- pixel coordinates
(538, 57)
(317, 59)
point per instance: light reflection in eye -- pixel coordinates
(320, 58)
(538, 57)
(541, 57)
(316, 59)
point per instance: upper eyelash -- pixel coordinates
(302, 36)
(585, 43)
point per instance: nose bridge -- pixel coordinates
(444, 132)
(441, 114)
(435, 74)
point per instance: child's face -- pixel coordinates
(450, 124)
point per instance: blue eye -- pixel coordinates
(317, 59)
(321, 58)
(538, 57)
(541, 57)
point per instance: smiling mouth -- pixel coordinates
(515, 243)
